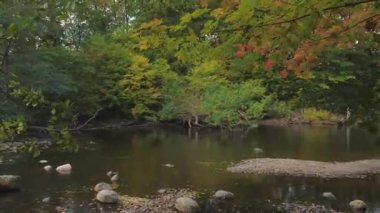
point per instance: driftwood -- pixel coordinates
(307, 168)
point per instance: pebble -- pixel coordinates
(48, 168)
(43, 161)
(169, 165)
(46, 200)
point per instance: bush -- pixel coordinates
(313, 114)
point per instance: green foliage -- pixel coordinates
(223, 63)
(313, 114)
(229, 105)
(9, 129)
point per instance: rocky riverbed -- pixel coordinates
(163, 201)
(307, 168)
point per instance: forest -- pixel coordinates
(220, 63)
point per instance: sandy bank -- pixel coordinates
(307, 168)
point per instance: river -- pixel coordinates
(200, 159)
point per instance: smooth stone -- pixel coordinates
(64, 169)
(43, 161)
(102, 186)
(46, 200)
(9, 183)
(329, 195)
(115, 178)
(358, 206)
(161, 191)
(221, 194)
(169, 165)
(110, 173)
(258, 150)
(186, 205)
(107, 196)
(48, 168)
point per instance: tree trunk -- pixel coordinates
(189, 122)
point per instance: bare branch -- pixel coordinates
(89, 120)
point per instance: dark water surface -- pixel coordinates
(199, 159)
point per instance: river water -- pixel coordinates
(200, 159)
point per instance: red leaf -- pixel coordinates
(268, 65)
(240, 53)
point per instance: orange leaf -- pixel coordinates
(268, 65)
(240, 53)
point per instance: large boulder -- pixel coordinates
(358, 206)
(186, 205)
(64, 169)
(221, 194)
(107, 196)
(102, 186)
(9, 183)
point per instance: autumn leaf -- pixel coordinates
(240, 53)
(268, 65)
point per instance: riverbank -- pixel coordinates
(307, 168)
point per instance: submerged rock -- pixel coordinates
(186, 205)
(221, 194)
(107, 196)
(43, 161)
(300, 207)
(64, 169)
(9, 183)
(102, 186)
(358, 206)
(329, 195)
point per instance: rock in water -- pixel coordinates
(64, 169)
(186, 205)
(43, 161)
(358, 206)
(169, 165)
(329, 195)
(258, 150)
(115, 178)
(48, 168)
(107, 196)
(46, 200)
(221, 194)
(9, 183)
(161, 191)
(102, 186)
(110, 173)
